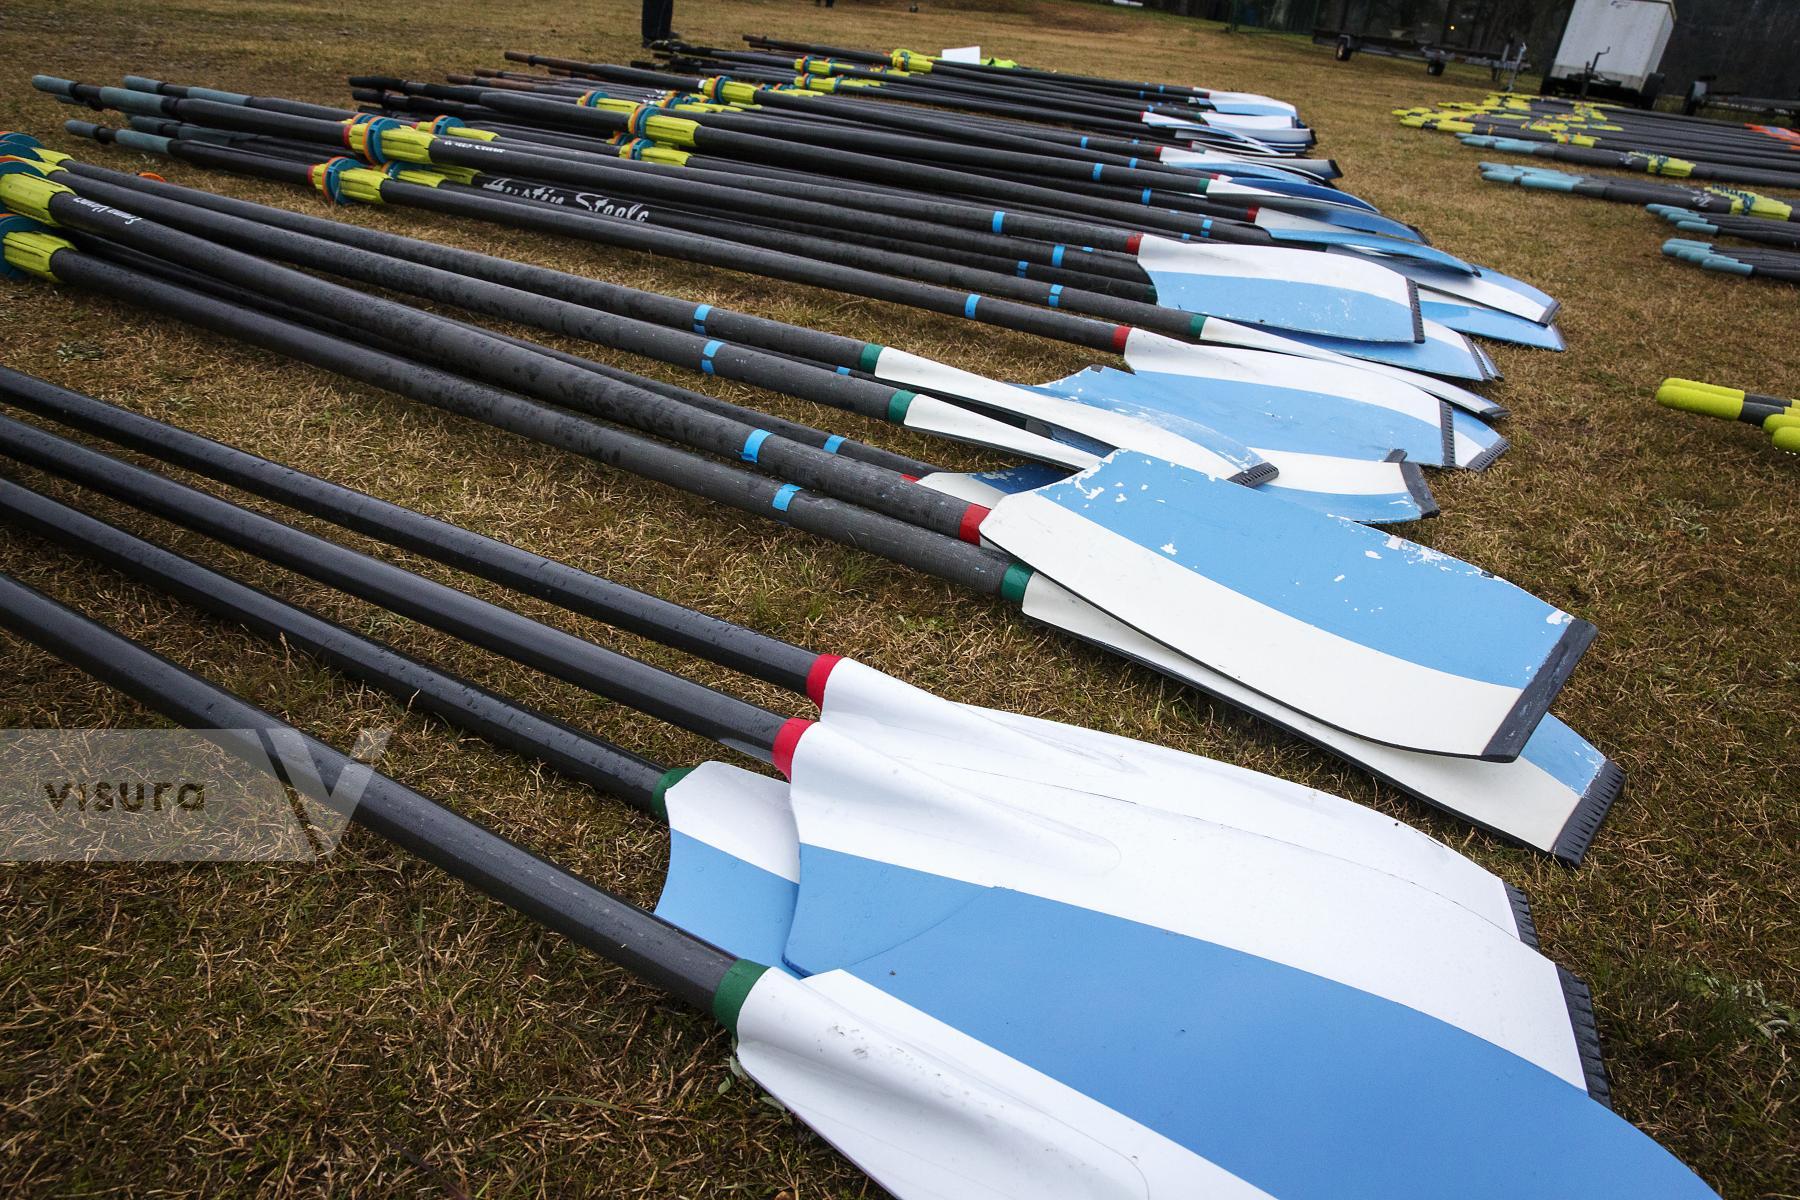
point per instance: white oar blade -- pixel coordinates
(1487, 288)
(1364, 631)
(870, 824)
(1445, 351)
(1285, 289)
(1390, 492)
(1553, 797)
(967, 743)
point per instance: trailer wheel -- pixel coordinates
(1346, 46)
(1434, 66)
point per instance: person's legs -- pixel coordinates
(657, 16)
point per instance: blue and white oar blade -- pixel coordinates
(1381, 413)
(1478, 320)
(1240, 166)
(970, 746)
(1366, 243)
(1088, 1073)
(1264, 415)
(1553, 797)
(1299, 195)
(734, 860)
(1284, 289)
(869, 824)
(1363, 631)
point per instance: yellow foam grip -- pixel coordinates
(1787, 420)
(29, 195)
(1786, 439)
(1708, 404)
(31, 252)
(1698, 385)
(397, 145)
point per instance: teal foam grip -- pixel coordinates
(149, 143)
(128, 101)
(55, 85)
(1727, 266)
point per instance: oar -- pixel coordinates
(1167, 869)
(1650, 164)
(1749, 229)
(1500, 691)
(1709, 199)
(1172, 436)
(917, 1084)
(1554, 796)
(1337, 296)
(901, 721)
(1784, 268)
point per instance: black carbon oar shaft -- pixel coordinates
(649, 947)
(657, 693)
(413, 682)
(721, 642)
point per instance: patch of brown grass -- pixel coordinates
(359, 1026)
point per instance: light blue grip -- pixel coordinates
(143, 83)
(1547, 183)
(1696, 227)
(218, 97)
(1728, 266)
(149, 143)
(55, 85)
(128, 101)
(82, 129)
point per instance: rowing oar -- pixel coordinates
(1502, 690)
(929, 1064)
(1269, 133)
(1749, 229)
(1777, 159)
(1365, 489)
(912, 253)
(1010, 116)
(1709, 199)
(1554, 796)
(903, 722)
(1320, 293)
(1649, 164)
(1163, 869)
(728, 432)
(1783, 268)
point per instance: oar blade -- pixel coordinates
(1285, 289)
(1350, 630)
(1478, 320)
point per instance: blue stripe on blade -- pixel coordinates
(1301, 1086)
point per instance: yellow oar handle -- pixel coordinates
(1706, 403)
(1787, 438)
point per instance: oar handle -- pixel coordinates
(649, 947)
(413, 682)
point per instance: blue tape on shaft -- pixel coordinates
(1055, 294)
(1132, 163)
(999, 219)
(1146, 196)
(969, 305)
(706, 355)
(832, 443)
(1098, 169)
(843, 370)
(1084, 141)
(700, 317)
(784, 497)
(1056, 254)
(1023, 268)
(752, 444)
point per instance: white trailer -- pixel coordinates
(1620, 41)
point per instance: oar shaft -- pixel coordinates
(413, 682)
(657, 693)
(721, 642)
(650, 948)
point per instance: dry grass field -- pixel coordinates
(362, 1026)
